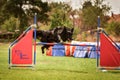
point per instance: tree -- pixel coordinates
(60, 14)
(9, 25)
(2, 18)
(25, 9)
(91, 11)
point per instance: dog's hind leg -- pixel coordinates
(42, 49)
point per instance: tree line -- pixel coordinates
(18, 15)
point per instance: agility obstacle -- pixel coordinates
(67, 44)
(75, 49)
(109, 51)
(22, 52)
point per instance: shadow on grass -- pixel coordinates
(115, 72)
(62, 70)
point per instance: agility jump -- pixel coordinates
(22, 52)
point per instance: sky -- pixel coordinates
(115, 4)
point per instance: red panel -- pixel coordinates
(67, 50)
(109, 54)
(49, 51)
(22, 50)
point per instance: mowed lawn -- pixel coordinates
(54, 68)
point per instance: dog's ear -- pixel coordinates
(72, 30)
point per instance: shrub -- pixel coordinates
(9, 25)
(113, 28)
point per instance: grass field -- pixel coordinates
(54, 68)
